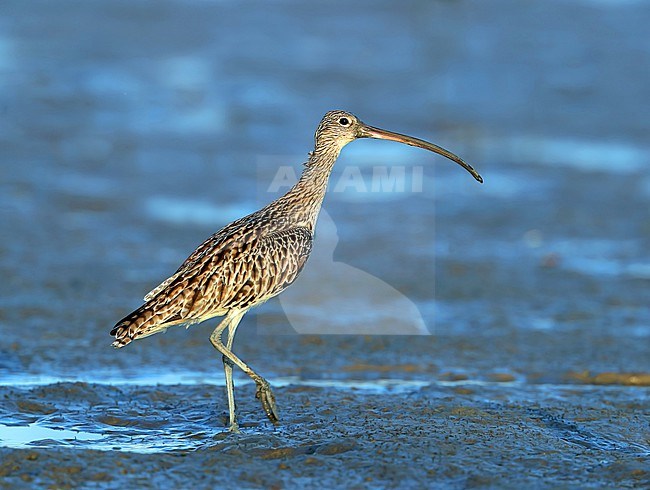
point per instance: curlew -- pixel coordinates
(255, 257)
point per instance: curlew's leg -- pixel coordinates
(227, 368)
(264, 393)
(230, 391)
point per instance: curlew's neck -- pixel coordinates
(303, 201)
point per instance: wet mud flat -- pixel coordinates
(453, 435)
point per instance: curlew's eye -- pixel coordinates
(344, 121)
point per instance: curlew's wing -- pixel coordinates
(239, 271)
(247, 273)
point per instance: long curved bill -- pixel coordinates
(372, 132)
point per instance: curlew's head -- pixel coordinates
(338, 128)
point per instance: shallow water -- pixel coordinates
(444, 331)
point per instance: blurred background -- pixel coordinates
(132, 130)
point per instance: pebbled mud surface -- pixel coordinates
(454, 436)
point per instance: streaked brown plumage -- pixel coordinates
(254, 258)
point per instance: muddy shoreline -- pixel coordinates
(532, 436)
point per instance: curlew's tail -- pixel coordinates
(141, 323)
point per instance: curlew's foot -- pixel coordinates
(265, 395)
(234, 428)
